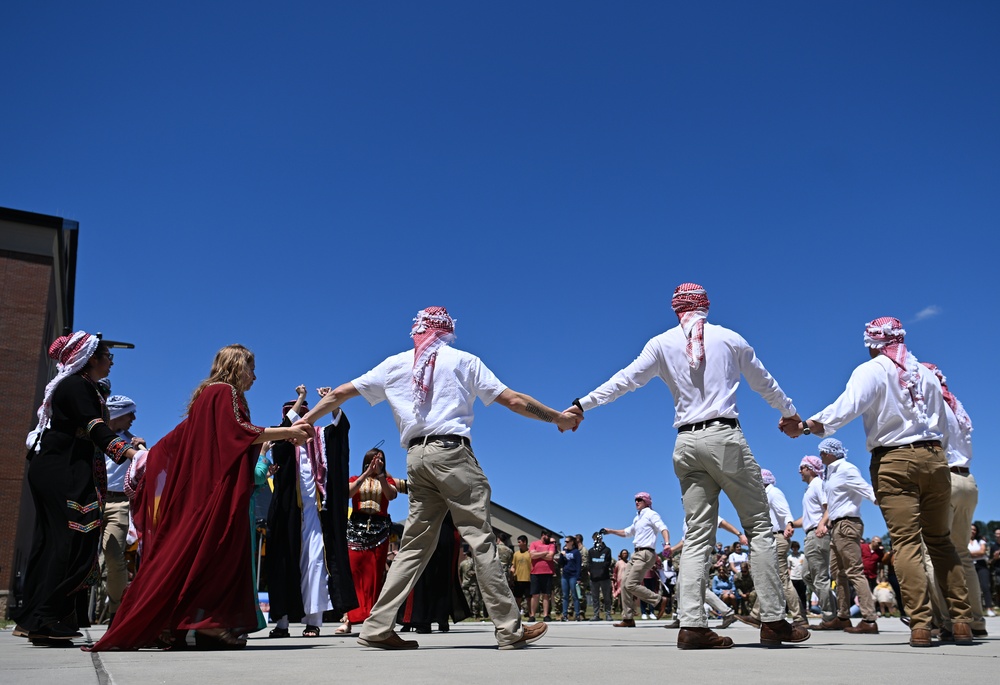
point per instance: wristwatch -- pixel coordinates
(805, 427)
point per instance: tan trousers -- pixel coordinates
(847, 570)
(913, 488)
(964, 498)
(792, 603)
(443, 477)
(632, 587)
(816, 572)
(707, 462)
(114, 545)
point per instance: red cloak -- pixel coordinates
(191, 512)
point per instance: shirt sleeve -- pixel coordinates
(782, 511)
(862, 390)
(629, 379)
(856, 482)
(658, 523)
(762, 382)
(371, 385)
(488, 386)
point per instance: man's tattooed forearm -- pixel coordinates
(539, 412)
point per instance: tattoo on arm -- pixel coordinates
(539, 412)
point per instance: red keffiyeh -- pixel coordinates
(432, 328)
(949, 397)
(886, 335)
(690, 303)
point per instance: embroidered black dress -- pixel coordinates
(67, 482)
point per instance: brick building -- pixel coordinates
(37, 277)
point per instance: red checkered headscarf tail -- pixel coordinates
(949, 397)
(886, 335)
(71, 353)
(690, 303)
(432, 328)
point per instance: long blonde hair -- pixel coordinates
(231, 365)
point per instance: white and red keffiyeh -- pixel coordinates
(886, 335)
(432, 328)
(956, 405)
(71, 353)
(690, 303)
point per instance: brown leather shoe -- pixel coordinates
(661, 608)
(702, 638)
(920, 637)
(866, 627)
(749, 620)
(531, 634)
(833, 624)
(773, 633)
(962, 633)
(625, 623)
(394, 641)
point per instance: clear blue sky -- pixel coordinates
(303, 178)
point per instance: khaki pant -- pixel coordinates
(443, 477)
(792, 603)
(632, 587)
(847, 570)
(964, 498)
(114, 545)
(707, 462)
(913, 488)
(816, 572)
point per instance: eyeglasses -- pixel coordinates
(109, 356)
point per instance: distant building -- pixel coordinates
(37, 279)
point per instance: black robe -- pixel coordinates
(284, 527)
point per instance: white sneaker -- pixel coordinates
(645, 617)
(990, 612)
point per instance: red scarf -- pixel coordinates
(956, 406)
(432, 328)
(886, 334)
(690, 303)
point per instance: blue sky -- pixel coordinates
(303, 178)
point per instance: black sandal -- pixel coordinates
(311, 631)
(279, 632)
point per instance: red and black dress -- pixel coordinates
(368, 544)
(67, 481)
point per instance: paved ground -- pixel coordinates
(577, 653)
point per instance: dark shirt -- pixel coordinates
(600, 563)
(572, 565)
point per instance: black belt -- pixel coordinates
(646, 549)
(880, 451)
(846, 518)
(809, 530)
(732, 423)
(112, 496)
(961, 470)
(440, 438)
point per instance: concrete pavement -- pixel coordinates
(569, 653)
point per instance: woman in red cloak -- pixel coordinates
(190, 508)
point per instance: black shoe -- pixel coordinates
(279, 632)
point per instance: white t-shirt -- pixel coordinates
(736, 561)
(459, 378)
(795, 564)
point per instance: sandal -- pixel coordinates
(279, 632)
(344, 629)
(311, 631)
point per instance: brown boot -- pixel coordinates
(702, 638)
(833, 624)
(866, 627)
(773, 633)
(920, 637)
(962, 633)
(625, 623)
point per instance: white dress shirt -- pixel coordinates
(777, 505)
(459, 378)
(116, 472)
(959, 440)
(812, 504)
(708, 392)
(890, 420)
(845, 488)
(645, 527)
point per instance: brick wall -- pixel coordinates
(26, 303)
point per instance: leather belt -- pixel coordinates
(732, 423)
(880, 451)
(961, 470)
(809, 530)
(113, 496)
(442, 438)
(646, 549)
(846, 518)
